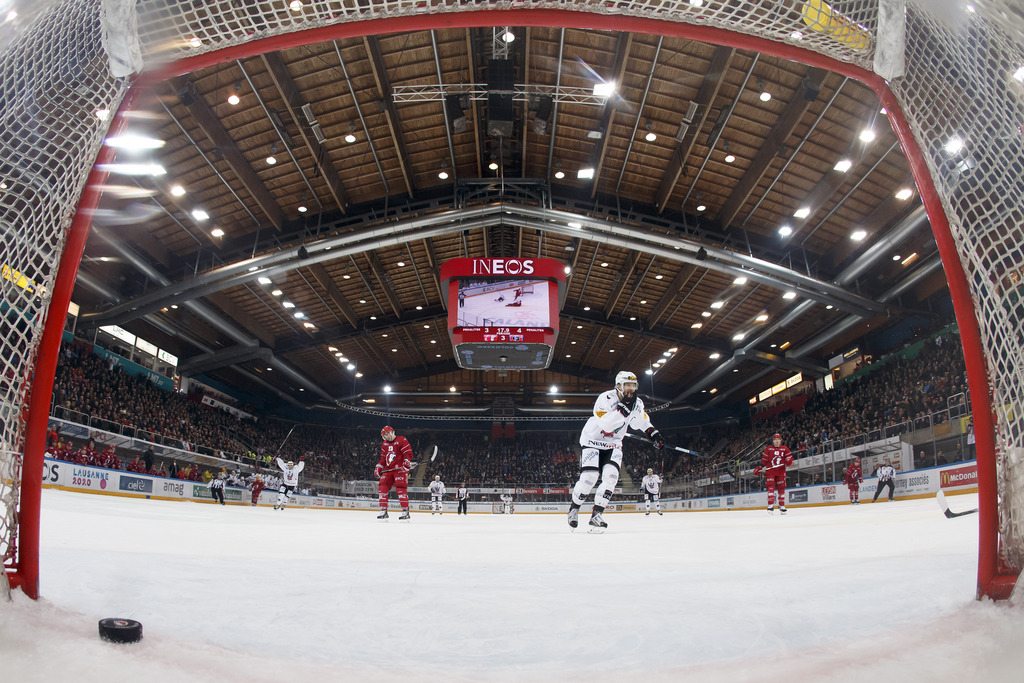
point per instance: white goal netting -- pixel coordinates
(963, 79)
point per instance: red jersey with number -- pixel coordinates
(775, 460)
(853, 475)
(394, 455)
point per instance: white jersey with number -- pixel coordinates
(290, 476)
(607, 425)
(652, 483)
(437, 488)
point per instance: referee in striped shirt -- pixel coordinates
(885, 473)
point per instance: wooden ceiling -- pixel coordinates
(626, 305)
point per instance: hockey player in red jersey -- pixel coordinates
(773, 463)
(854, 476)
(393, 469)
(256, 487)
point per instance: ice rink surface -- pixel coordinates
(873, 592)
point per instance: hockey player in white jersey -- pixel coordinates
(650, 486)
(615, 411)
(289, 480)
(436, 495)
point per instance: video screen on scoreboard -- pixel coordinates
(486, 302)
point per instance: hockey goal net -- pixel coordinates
(956, 71)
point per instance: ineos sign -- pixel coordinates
(502, 266)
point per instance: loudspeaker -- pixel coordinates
(543, 115)
(500, 115)
(456, 117)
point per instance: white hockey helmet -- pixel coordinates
(290, 464)
(624, 376)
(650, 471)
(437, 477)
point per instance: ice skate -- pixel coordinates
(275, 507)
(404, 517)
(782, 509)
(383, 516)
(574, 514)
(647, 514)
(597, 524)
(771, 509)
(660, 512)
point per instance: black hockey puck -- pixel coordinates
(120, 630)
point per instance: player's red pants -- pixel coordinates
(854, 491)
(400, 480)
(773, 483)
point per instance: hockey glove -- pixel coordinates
(629, 401)
(655, 436)
(757, 471)
(623, 410)
(376, 471)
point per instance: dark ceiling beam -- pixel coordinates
(607, 118)
(621, 281)
(387, 285)
(218, 135)
(233, 311)
(412, 348)
(293, 101)
(380, 76)
(713, 79)
(686, 271)
(472, 58)
(774, 145)
(334, 294)
(368, 345)
(434, 267)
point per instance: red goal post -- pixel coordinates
(56, 62)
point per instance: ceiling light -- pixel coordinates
(715, 356)
(843, 165)
(200, 215)
(585, 173)
(303, 209)
(400, 264)
(765, 96)
(659, 277)
(288, 304)
(350, 138)
(648, 371)
(784, 345)
(674, 349)
(559, 174)
(604, 89)
(729, 158)
(761, 318)
(895, 257)
(867, 135)
(738, 336)
(717, 304)
(350, 367)
(278, 292)
(574, 224)
(233, 98)
(346, 277)
(174, 306)
(910, 259)
(452, 389)
(905, 193)
(387, 388)
(706, 314)
(696, 3)
(802, 212)
(696, 326)
(701, 207)
(604, 264)
(359, 374)
(310, 326)
(567, 269)
(264, 280)
(133, 169)
(443, 175)
(253, 269)
(195, 42)
(829, 307)
(332, 348)
(508, 36)
(954, 145)
(493, 165)
(177, 190)
(858, 235)
(271, 160)
(643, 301)
(363, 301)
(217, 232)
(650, 137)
(299, 315)
(632, 317)
(789, 295)
(741, 280)
(714, 390)
(785, 231)
(295, 5)
(553, 389)
(586, 308)
(134, 143)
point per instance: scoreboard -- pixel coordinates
(503, 312)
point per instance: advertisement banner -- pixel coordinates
(965, 475)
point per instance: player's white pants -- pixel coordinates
(435, 503)
(657, 500)
(595, 464)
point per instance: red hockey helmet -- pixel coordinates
(388, 433)
(777, 436)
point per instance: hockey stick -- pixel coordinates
(940, 497)
(433, 455)
(674, 448)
